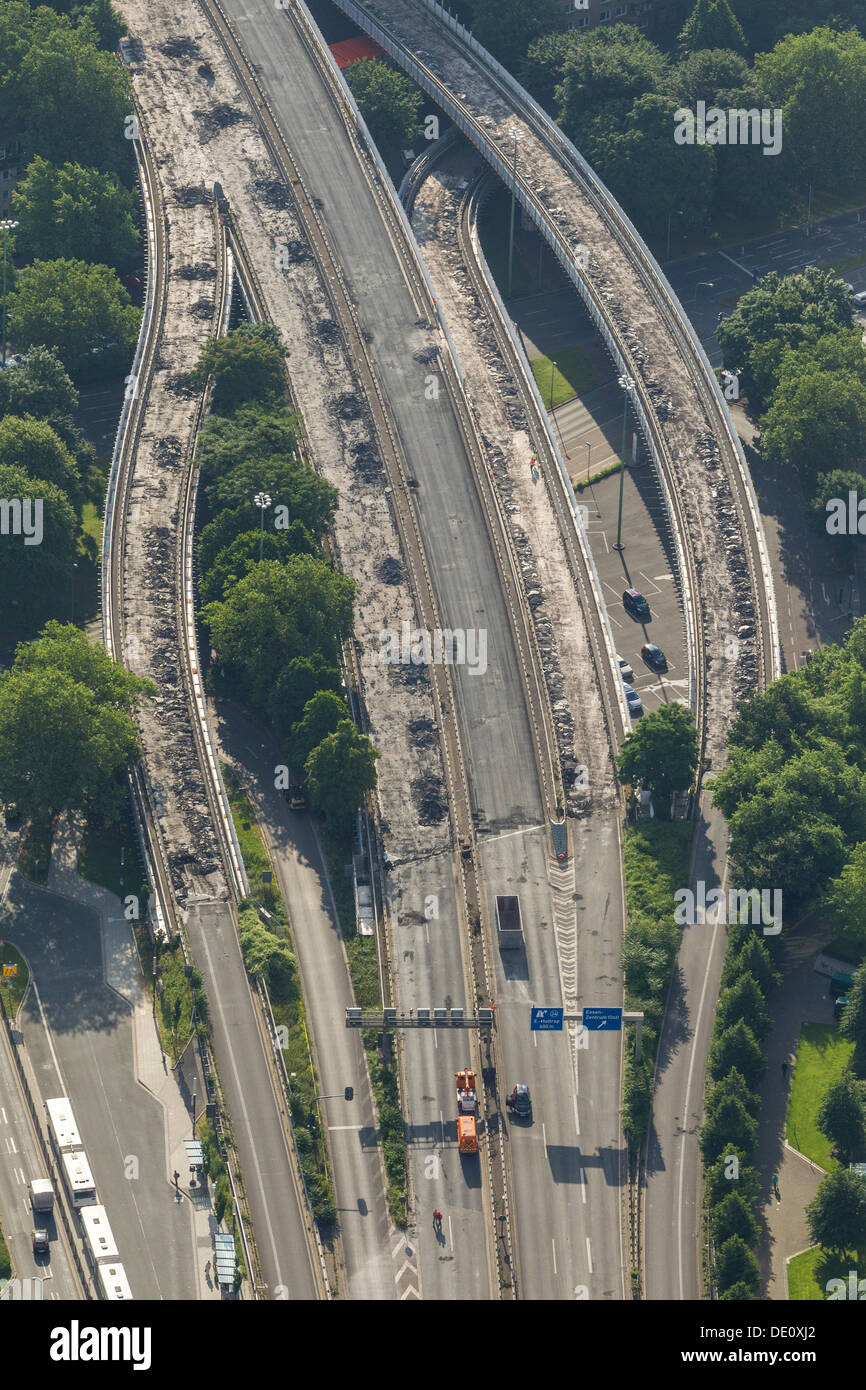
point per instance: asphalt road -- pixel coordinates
(495, 728)
(259, 1134)
(20, 1161)
(366, 1231)
(78, 1034)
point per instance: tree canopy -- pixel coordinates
(66, 731)
(843, 1119)
(390, 104)
(75, 212)
(661, 753)
(81, 311)
(37, 552)
(837, 1213)
(247, 364)
(340, 772)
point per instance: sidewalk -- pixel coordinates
(802, 998)
(122, 971)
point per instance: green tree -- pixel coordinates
(108, 25)
(68, 97)
(730, 1124)
(79, 310)
(753, 959)
(842, 1118)
(737, 1047)
(543, 68)
(736, 1264)
(507, 27)
(33, 445)
(733, 1083)
(277, 612)
(733, 1217)
(740, 1292)
(75, 212)
(662, 752)
(236, 560)
(837, 1213)
(41, 386)
(340, 772)
(390, 104)
(743, 999)
(253, 431)
(652, 175)
(712, 24)
(322, 715)
(731, 1172)
(819, 81)
(854, 1021)
(246, 364)
(781, 313)
(815, 416)
(64, 742)
(237, 521)
(36, 555)
(605, 73)
(846, 894)
(304, 677)
(269, 956)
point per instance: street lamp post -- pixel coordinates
(552, 375)
(588, 456)
(516, 136)
(627, 384)
(6, 226)
(262, 501)
(679, 213)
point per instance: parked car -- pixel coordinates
(654, 657)
(636, 605)
(40, 1242)
(625, 669)
(297, 797)
(859, 299)
(633, 700)
(520, 1102)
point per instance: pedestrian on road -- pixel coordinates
(775, 1182)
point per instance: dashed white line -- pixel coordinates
(553, 1243)
(583, 1184)
(589, 1254)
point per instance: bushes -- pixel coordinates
(655, 857)
(730, 1130)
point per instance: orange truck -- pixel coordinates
(467, 1112)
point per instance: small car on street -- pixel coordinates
(636, 605)
(520, 1102)
(654, 657)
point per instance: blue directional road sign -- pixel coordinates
(594, 1020)
(546, 1021)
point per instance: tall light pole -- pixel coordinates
(627, 384)
(517, 136)
(588, 456)
(6, 226)
(552, 375)
(679, 213)
(262, 501)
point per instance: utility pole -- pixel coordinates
(627, 384)
(516, 136)
(262, 501)
(552, 375)
(6, 226)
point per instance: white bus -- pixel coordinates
(79, 1179)
(62, 1126)
(113, 1282)
(98, 1238)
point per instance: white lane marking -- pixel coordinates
(689, 1091)
(450, 1234)
(38, 999)
(589, 1254)
(583, 1184)
(576, 1119)
(507, 834)
(553, 1243)
(3, 1113)
(544, 1134)
(10, 1144)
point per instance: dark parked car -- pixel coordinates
(520, 1102)
(840, 984)
(636, 605)
(654, 657)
